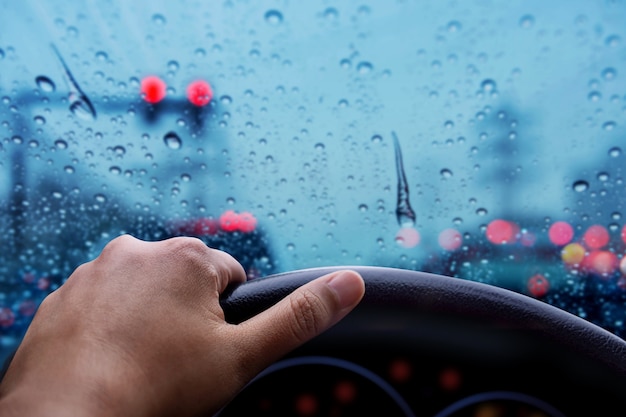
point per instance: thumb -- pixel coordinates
(306, 312)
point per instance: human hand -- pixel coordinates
(139, 331)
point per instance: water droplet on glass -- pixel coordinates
(100, 198)
(609, 74)
(454, 26)
(345, 63)
(45, 84)
(580, 186)
(226, 100)
(60, 144)
(377, 139)
(488, 85)
(69, 169)
(445, 173)
(331, 13)
(481, 211)
(363, 207)
(40, 120)
(173, 66)
(158, 19)
(612, 41)
(200, 53)
(603, 176)
(527, 21)
(594, 96)
(608, 126)
(101, 56)
(320, 146)
(615, 152)
(1, 53)
(273, 17)
(364, 67)
(172, 140)
(115, 170)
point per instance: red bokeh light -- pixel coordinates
(153, 89)
(538, 285)
(450, 379)
(450, 239)
(7, 317)
(400, 370)
(199, 93)
(500, 231)
(601, 262)
(345, 392)
(205, 226)
(408, 237)
(561, 233)
(306, 405)
(596, 237)
(237, 222)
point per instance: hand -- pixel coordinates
(139, 331)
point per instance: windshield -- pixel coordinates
(481, 140)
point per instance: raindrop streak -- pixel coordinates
(80, 105)
(404, 212)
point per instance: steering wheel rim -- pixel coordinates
(480, 307)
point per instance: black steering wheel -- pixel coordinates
(421, 344)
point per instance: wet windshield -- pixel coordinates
(471, 139)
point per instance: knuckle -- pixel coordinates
(309, 312)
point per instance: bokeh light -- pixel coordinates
(450, 239)
(596, 237)
(153, 89)
(538, 285)
(199, 93)
(601, 262)
(561, 233)
(573, 254)
(408, 237)
(501, 232)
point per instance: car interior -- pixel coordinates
(465, 156)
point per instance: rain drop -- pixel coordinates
(454, 26)
(445, 173)
(594, 96)
(331, 13)
(580, 186)
(608, 126)
(101, 56)
(1, 53)
(612, 41)
(273, 17)
(45, 84)
(488, 85)
(364, 67)
(172, 140)
(60, 144)
(173, 66)
(527, 21)
(615, 152)
(158, 19)
(609, 74)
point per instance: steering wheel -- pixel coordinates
(421, 344)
